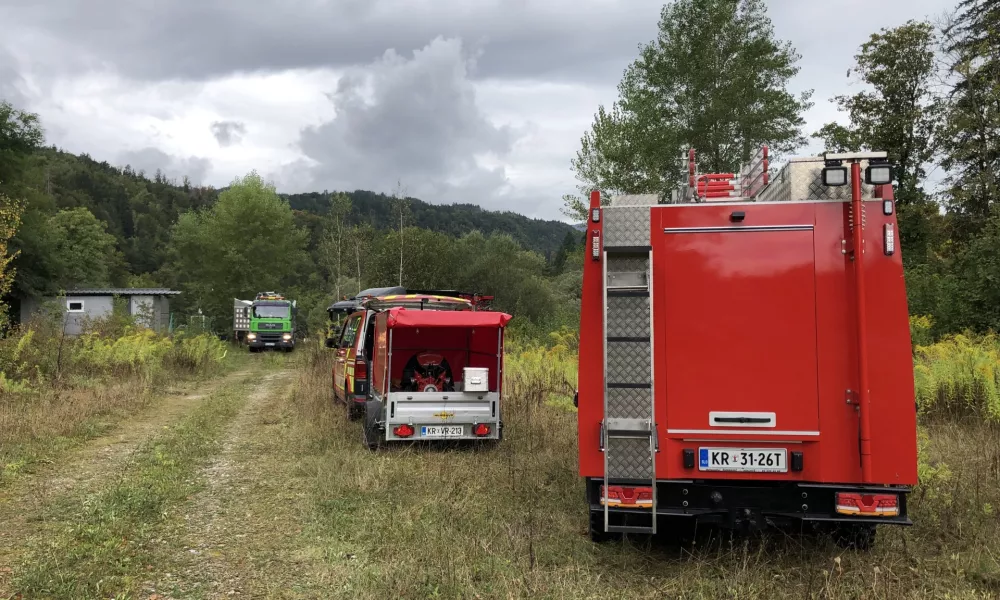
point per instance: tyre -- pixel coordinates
(597, 533)
(854, 536)
(371, 435)
(354, 412)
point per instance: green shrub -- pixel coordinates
(959, 376)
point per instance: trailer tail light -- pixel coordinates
(890, 238)
(595, 245)
(402, 430)
(360, 369)
(480, 430)
(868, 505)
(621, 496)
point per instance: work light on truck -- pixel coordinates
(889, 233)
(834, 175)
(878, 173)
(868, 505)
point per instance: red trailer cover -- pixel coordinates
(401, 317)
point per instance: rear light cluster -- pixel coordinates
(481, 430)
(868, 505)
(628, 497)
(360, 369)
(403, 430)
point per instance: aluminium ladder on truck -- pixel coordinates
(628, 432)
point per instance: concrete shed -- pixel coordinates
(151, 306)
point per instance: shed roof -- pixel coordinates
(122, 292)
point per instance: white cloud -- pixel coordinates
(499, 131)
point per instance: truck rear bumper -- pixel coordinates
(739, 504)
(427, 412)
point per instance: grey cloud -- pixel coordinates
(10, 80)
(411, 120)
(228, 133)
(174, 168)
(201, 39)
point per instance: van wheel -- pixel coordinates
(370, 433)
(854, 536)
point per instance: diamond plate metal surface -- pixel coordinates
(629, 403)
(628, 362)
(628, 316)
(802, 179)
(626, 226)
(629, 458)
(628, 262)
(635, 200)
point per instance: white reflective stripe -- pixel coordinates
(740, 432)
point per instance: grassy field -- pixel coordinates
(419, 522)
(263, 489)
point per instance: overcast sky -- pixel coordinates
(480, 101)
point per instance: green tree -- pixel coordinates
(332, 246)
(971, 132)
(10, 220)
(714, 79)
(85, 252)
(247, 242)
(898, 114)
(20, 135)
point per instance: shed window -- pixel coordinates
(74, 306)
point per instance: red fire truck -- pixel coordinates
(745, 353)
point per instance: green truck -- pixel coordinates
(266, 322)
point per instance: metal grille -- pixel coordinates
(628, 362)
(626, 226)
(629, 458)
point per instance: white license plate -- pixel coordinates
(442, 431)
(268, 343)
(751, 460)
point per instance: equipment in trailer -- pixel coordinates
(738, 340)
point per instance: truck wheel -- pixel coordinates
(370, 433)
(597, 533)
(854, 536)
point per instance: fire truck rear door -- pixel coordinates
(740, 321)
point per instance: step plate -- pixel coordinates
(629, 458)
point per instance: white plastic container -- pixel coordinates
(476, 379)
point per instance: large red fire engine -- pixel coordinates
(745, 352)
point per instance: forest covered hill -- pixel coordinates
(139, 209)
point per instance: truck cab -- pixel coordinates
(272, 323)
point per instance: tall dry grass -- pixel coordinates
(57, 390)
(420, 521)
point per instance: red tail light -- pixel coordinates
(628, 497)
(868, 505)
(482, 429)
(360, 369)
(402, 430)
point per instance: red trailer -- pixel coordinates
(746, 361)
(436, 375)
